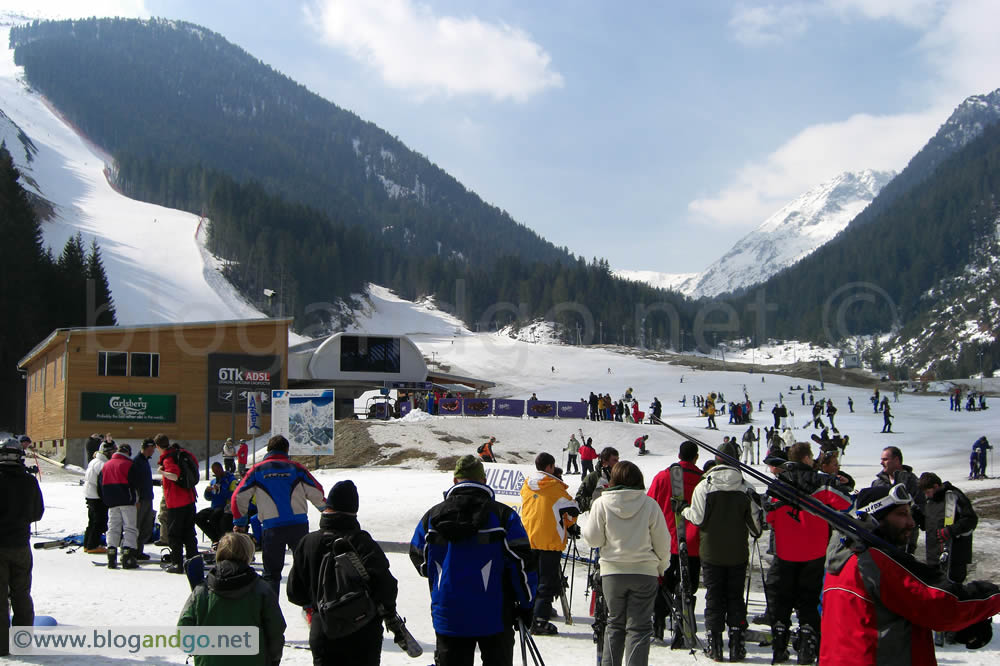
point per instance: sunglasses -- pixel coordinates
(897, 495)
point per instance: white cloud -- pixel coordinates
(957, 43)
(63, 9)
(413, 49)
(813, 156)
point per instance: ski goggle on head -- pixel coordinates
(898, 494)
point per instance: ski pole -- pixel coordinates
(524, 642)
(760, 562)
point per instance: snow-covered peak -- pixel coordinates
(795, 231)
(970, 117)
(669, 281)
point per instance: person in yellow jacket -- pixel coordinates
(548, 513)
(710, 413)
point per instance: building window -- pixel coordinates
(112, 364)
(145, 365)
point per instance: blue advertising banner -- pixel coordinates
(503, 407)
(543, 408)
(449, 407)
(572, 410)
(404, 408)
(477, 406)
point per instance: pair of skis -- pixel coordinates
(684, 610)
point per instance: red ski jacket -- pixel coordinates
(175, 496)
(799, 536)
(587, 452)
(878, 611)
(660, 491)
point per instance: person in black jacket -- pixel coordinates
(949, 521)
(144, 507)
(20, 505)
(340, 519)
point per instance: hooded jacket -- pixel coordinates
(881, 610)
(965, 521)
(661, 491)
(727, 511)
(628, 527)
(303, 579)
(234, 595)
(120, 481)
(91, 481)
(477, 559)
(175, 496)
(20, 505)
(546, 511)
(281, 488)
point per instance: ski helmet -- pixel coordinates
(11, 453)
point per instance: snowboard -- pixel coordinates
(402, 637)
(688, 625)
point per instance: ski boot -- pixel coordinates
(779, 646)
(128, 559)
(112, 557)
(714, 649)
(541, 627)
(807, 645)
(737, 644)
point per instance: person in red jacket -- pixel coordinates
(120, 482)
(661, 491)
(800, 539)
(587, 456)
(241, 458)
(880, 605)
(180, 505)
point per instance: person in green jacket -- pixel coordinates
(234, 595)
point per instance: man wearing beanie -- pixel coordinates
(548, 512)
(880, 605)
(340, 520)
(727, 511)
(476, 557)
(280, 488)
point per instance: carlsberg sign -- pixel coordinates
(128, 407)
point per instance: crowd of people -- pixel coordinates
(602, 407)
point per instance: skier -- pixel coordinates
(229, 455)
(710, 413)
(20, 505)
(872, 601)
(728, 511)
(831, 411)
(485, 451)
(97, 511)
(587, 456)
(796, 574)
(748, 439)
(776, 413)
(984, 446)
(850, 404)
(661, 490)
(886, 419)
(572, 449)
(949, 521)
(974, 461)
(241, 458)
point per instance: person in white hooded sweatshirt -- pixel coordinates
(628, 526)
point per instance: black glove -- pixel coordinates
(525, 614)
(573, 531)
(976, 635)
(678, 504)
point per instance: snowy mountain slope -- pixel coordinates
(668, 281)
(157, 267)
(790, 234)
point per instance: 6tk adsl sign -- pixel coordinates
(232, 375)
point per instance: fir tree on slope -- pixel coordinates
(104, 304)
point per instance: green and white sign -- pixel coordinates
(130, 407)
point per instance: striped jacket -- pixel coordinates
(281, 489)
(476, 557)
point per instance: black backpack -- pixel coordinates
(344, 603)
(188, 476)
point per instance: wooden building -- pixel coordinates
(136, 381)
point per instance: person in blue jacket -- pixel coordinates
(476, 557)
(217, 519)
(281, 488)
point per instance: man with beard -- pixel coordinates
(880, 605)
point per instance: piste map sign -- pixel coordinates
(128, 407)
(233, 375)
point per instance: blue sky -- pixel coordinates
(654, 134)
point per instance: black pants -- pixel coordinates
(182, 537)
(144, 523)
(571, 466)
(229, 464)
(587, 467)
(362, 648)
(549, 582)
(97, 523)
(15, 586)
(214, 522)
(495, 650)
(275, 541)
(796, 585)
(724, 606)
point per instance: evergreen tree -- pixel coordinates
(72, 268)
(104, 304)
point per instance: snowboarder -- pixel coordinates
(485, 451)
(640, 443)
(949, 520)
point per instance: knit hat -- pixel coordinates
(470, 467)
(343, 497)
(124, 448)
(108, 449)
